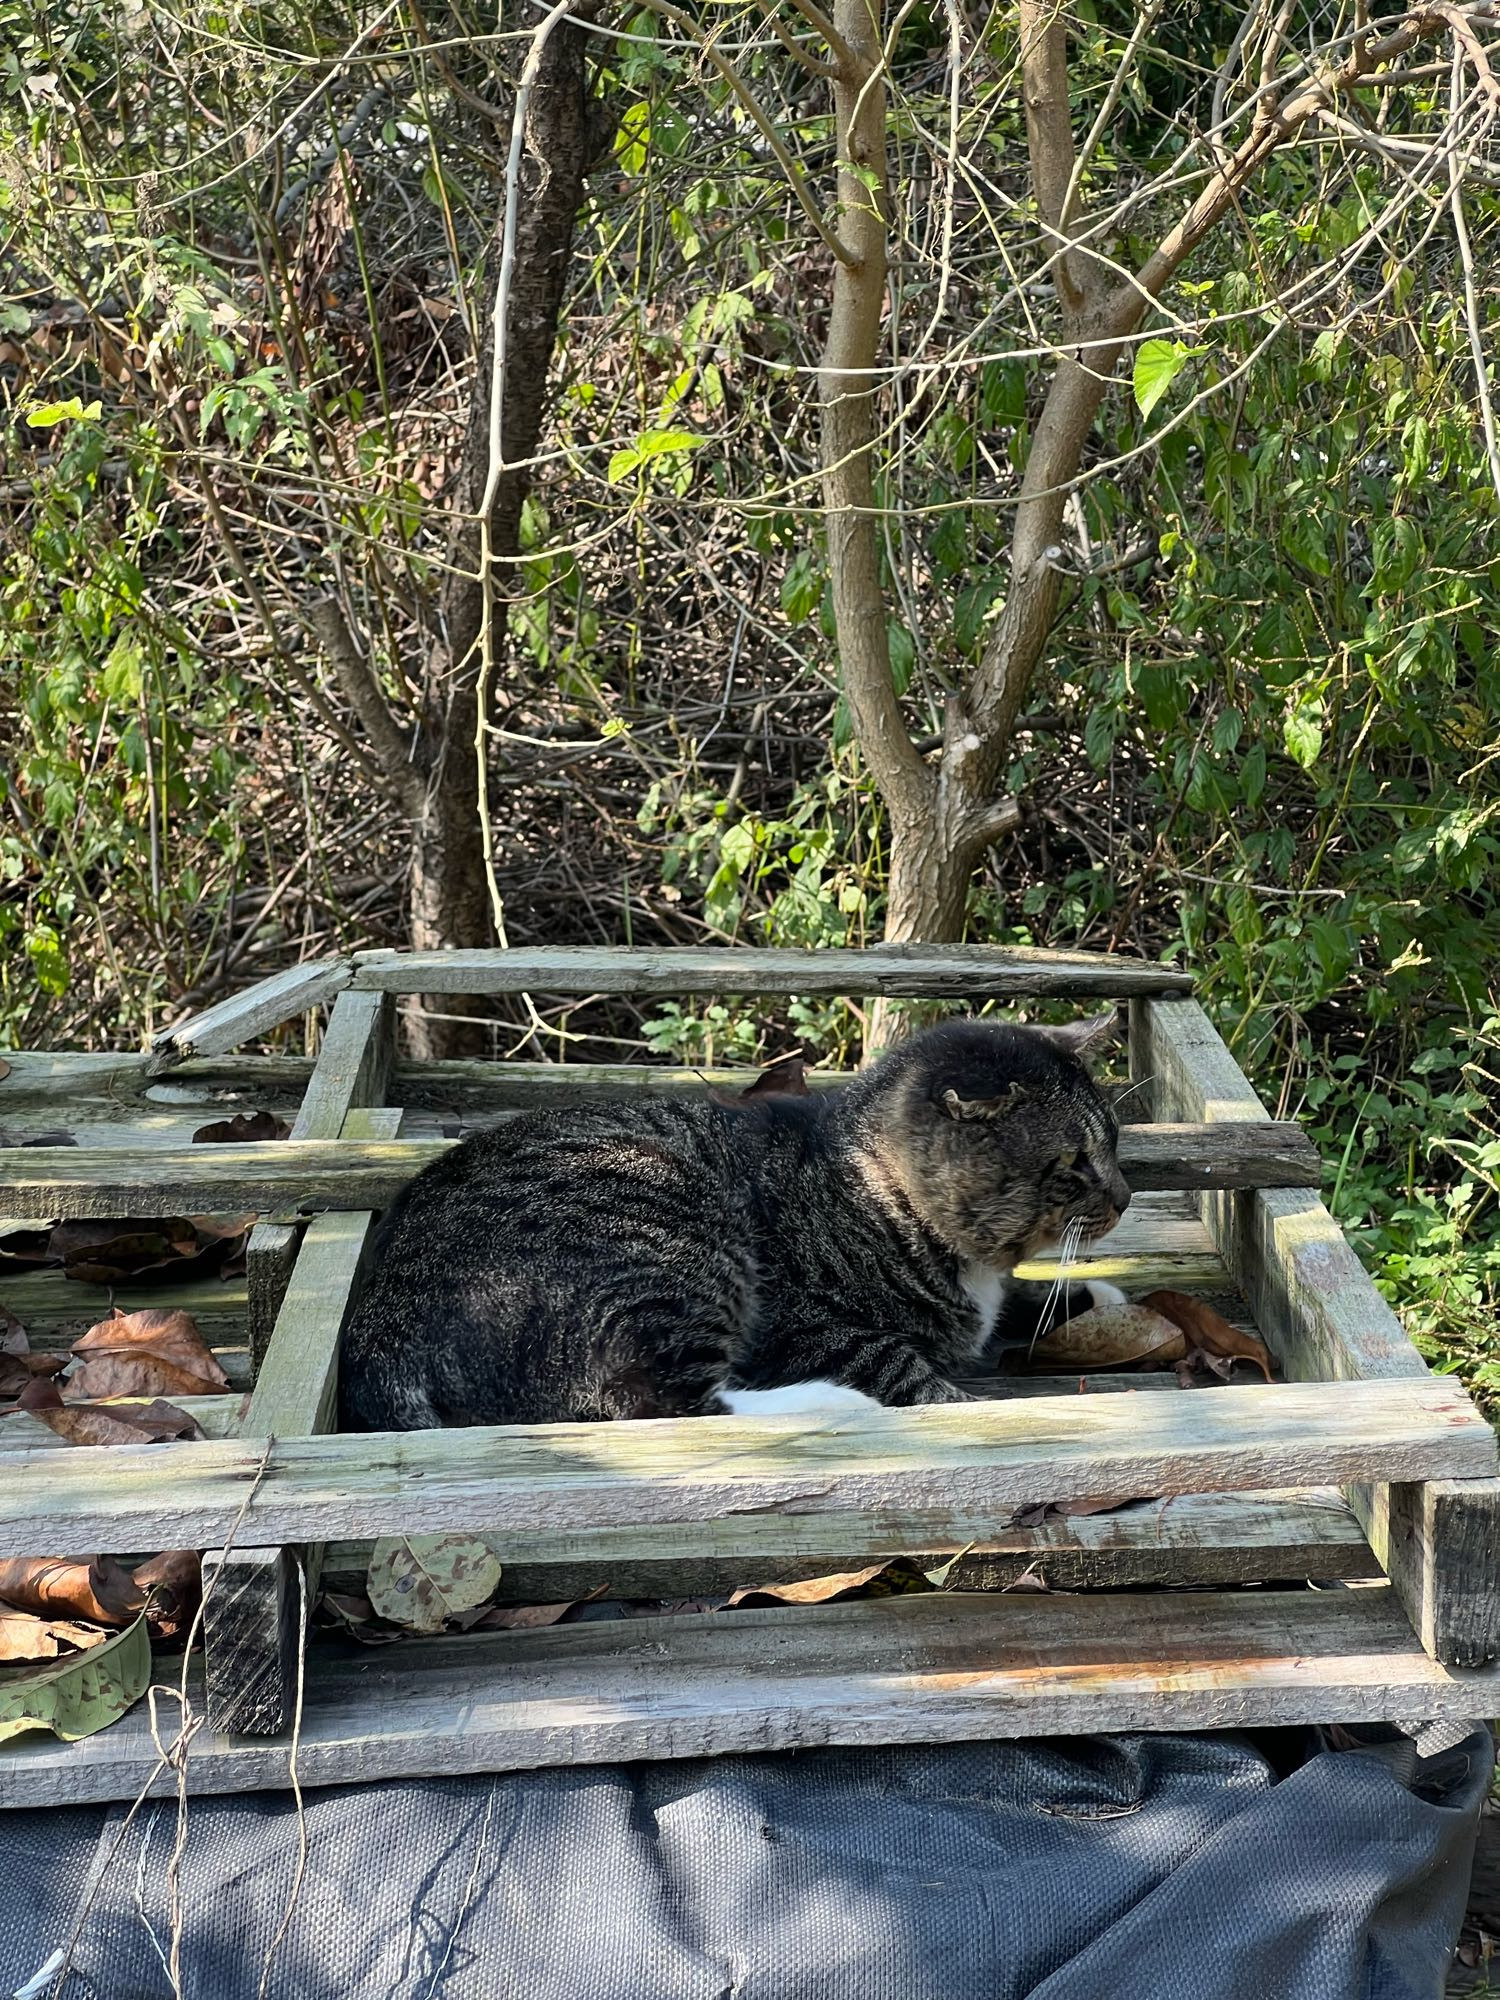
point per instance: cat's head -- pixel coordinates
(998, 1137)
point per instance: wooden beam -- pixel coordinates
(254, 1616)
(253, 1012)
(944, 1668)
(310, 1174)
(1319, 1310)
(353, 1068)
(918, 971)
(993, 1455)
(1193, 1538)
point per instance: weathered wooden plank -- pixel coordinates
(254, 1605)
(916, 971)
(312, 1174)
(243, 1016)
(254, 1621)
(353, 1068)
(1319, 1310)
(945, 1668)
(1193, 1538)
(1000, 1454)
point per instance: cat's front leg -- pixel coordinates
(898, 1377)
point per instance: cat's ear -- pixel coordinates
(982, 1107)
(1082, 1038)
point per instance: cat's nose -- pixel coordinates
(1119, 1193)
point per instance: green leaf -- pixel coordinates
(420, 1581)
(648, 446)
(1303, 734)
(1158, 363)
(45, 415)
(82, 1694)
(121, 677)
(633, 138)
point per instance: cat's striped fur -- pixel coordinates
(662, 1257)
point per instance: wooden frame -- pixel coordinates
(679, 1508)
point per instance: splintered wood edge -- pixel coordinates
(240, 1018)
(1320, 1311)
(934, 1669)
(1006, 1453)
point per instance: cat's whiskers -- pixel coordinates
(1067, 1252)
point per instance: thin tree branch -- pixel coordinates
(1049, 138)
(755, 111)
(848, 386)
(392, 745)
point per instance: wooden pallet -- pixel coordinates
(1361, 1466)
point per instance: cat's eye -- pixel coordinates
(1069, 1161)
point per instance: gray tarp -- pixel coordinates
(1144, 1867)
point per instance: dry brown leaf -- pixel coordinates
(24, 1637)
(243, 1129)
(172, 1584)
(520, 1617)
(4, 1069)
(25, 1249)
(814, 1590)
(88, 1424)
(97, 1587)
(1209, 1331)
(1058, 1510)
(146, 1353)
(1112, 1337)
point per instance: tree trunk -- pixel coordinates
(449, 900)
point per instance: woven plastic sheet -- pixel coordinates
(1147, 1867)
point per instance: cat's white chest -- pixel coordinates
(986, 1292)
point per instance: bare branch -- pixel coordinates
(391, 744)
(1049, 137)
(848, 385)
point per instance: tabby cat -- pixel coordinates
(667, 1257)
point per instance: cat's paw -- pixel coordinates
(1101, 1294)
(796, 1399)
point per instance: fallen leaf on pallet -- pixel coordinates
(4, 1069)
(521, 1617)
(19, 1367)
(78, 1696)
(243, 1129)
(421, 1581)
(1209, 1332)
(355, 1617)
(1112, 1337)
(172, 1584)
(24, 1636)
(1060, 1510)
(99, 1588)
(147, 1353)
(25, 1249)
(814, 1590)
